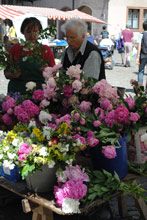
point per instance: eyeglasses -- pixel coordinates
(70, 38)
(32, 32)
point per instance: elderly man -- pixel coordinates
(81, 51)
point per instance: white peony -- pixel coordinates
(70, 206)
(51, 164)
(32, 124)
(11, 156)
(1, 156)
(17, 142)
(2, 133)
(44, 117)
(30, 86)
(69, 162)
(47, 131)
(43, 152)
(144, 138)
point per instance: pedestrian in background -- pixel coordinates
(91, 39)
(141, 58)
(104, 33)
(12, 32)
(127, 36)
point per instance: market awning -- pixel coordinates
(8, 13)
(88, 18)
(51, 13)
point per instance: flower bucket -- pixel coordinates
(137, 150)
(12, 175)
(42, 180)
(117, 164)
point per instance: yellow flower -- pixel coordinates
(38, 133)
(10, 137)
(63, 128)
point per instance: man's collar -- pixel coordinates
(83, 46)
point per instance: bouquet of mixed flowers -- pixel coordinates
(105, 122)
(65, 89)
(71, 188)
(30, 146)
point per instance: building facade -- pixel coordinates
(117, 13)
(97, 8)
(122, 12)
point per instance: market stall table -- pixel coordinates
(43, 205)
(58, 47)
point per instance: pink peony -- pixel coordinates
(85, 106)
(82, 121)
(38, 95)
(92, 142)
(90, 134)
(110, 118)
(50, 93)
(131, 102)
(77, 86)
(51, 83)
(44, 103)
(105, 90)
(70, 190)
(76, 174)
(48, 72)
(8, 103)
(109, 151)
(10, 111)
(8, 120)
(96, 123)
(105, 103)
(121, 114)
(100, 113)
(74, 71)
(23, 151)
(77, 116)
(134, 117)
(67, 91)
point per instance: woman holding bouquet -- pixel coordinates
(28, 59)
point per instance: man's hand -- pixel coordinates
(138, 61)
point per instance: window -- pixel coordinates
(133, 18)
(145, 15)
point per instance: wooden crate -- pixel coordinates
(137, 150)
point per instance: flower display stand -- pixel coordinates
(43, 206)
(137, 150)
(42, 180)
(117, 164)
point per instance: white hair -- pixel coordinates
(78, 25)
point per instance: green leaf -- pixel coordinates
(92, 196)
(97, 187)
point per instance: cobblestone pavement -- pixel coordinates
(120, 76)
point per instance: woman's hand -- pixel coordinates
(10, 75)
(43, 67)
